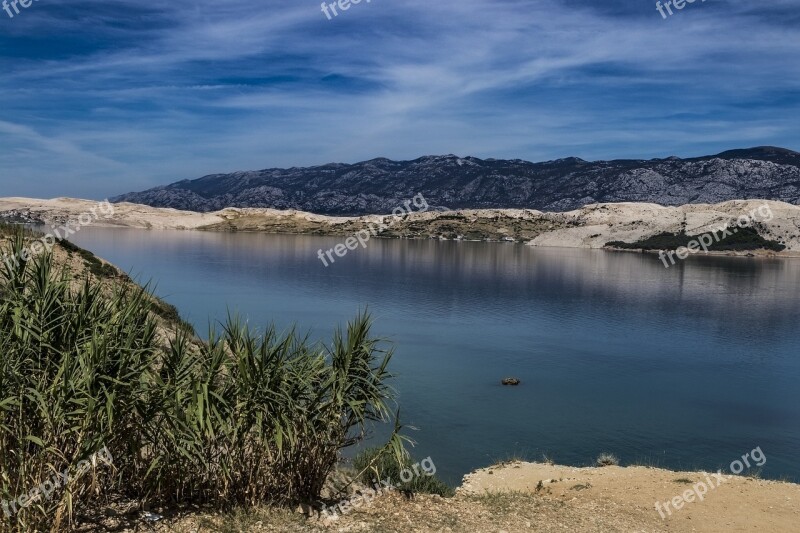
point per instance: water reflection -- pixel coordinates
(687, 366)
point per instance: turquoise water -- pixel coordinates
(687, 367)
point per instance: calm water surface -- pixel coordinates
(689, 367)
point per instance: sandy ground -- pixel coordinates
(521, 497)
(737, 504)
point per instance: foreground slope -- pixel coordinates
(520, 497)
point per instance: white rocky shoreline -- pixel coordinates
(592, 226)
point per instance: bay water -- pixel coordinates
(687, 368)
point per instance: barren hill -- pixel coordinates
(592, 226)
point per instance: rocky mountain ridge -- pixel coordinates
(452, 182)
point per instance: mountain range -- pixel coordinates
(452, 182)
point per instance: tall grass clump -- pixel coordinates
(244, 418)
(375, 464)
(72, 380)
(606, 459)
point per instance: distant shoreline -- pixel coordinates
(749, 254)
(591, 227)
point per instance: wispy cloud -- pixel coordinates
(105, 97)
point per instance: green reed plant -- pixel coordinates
(244, 418)
(70, 371)
(378, 463)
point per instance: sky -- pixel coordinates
(98, 98)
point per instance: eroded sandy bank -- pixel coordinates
(590, 227)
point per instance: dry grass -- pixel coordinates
(607, 459)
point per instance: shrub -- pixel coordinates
(242, 419)
(375, 464)
(743, 239)
(72, 379)
(607, 459)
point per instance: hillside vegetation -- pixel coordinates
(745, 239)
(242, 419)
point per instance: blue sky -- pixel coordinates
(104, 97)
